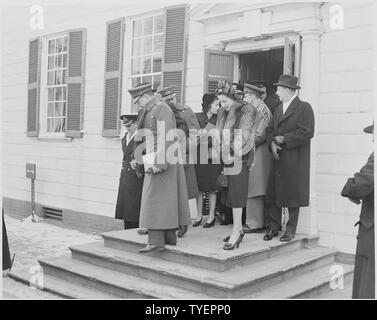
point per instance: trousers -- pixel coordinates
(275, 215)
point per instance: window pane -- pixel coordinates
(50, 125)
(50, 78)
(159, 23)
(157, 82)
(147, 79)
(59, 45)
(158, 41)
(59, 61)
(137, 28)
(146, 64)
(64, 108)
(51, 62)
(51, 94)
(50, 109)
(51, 46)
(58, 77)
(58, 94)
(136, 81)
(157, 63)
(59, 109)
(58, 124)
(147, 26)
(64, 60)
(147, 45)
(65, 93)
(65, 43)
(64, 79)
(136, 47)
(135, 69)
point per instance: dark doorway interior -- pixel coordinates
(262, 65)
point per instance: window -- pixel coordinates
(54, 85)
(57, 84)
(147, 48)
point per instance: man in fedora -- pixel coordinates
(359, 189)
(164, 203)
(288, 137)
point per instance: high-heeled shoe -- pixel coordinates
(229, 246)
(209, 224)
(226, 239)
(197, 223)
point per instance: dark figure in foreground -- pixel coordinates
(358, 189)
(131, 180)
(6, 254)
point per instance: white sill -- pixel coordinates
(54, 138)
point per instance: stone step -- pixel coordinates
(227, 284)
(61, 288)
(76, 279)
(313, 284)
(203, 248)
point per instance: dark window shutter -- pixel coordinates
(33, 87)
(218, 66)
(113, 77)
(175, 44)
(75, 83)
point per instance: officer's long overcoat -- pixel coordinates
(164, 201)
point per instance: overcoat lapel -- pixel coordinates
(279, 112)
(290, 110)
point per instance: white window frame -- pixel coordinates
(126, 99)
(44, 90)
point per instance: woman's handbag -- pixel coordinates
(222, 180)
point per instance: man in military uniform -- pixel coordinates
(269, 96)
(358, 189)
(256, 215)
(162, 209)
(186, 121)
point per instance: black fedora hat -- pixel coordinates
(369, 129)
(289, 81)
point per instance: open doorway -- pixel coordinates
(262, 65)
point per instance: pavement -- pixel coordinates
(32, 241)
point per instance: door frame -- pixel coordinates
(248, 46)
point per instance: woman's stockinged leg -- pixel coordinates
(212, 206)
(200, 206)
(237, 225)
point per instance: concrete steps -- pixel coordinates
(211, 256)
(196, 268)
(68, 275)
(306, 286)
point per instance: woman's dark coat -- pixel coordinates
(361, 188)
(289, 182)
(130, 187)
